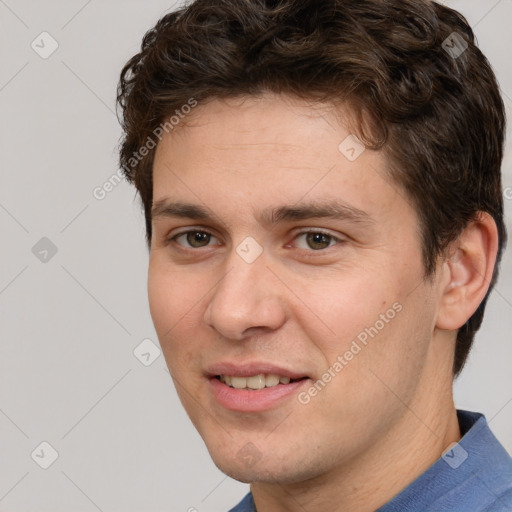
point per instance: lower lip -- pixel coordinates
(257, 400)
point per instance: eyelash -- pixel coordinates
(183, 233)
(333, 238)
(337, 240)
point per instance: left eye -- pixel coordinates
(195, 239)
(315, 240)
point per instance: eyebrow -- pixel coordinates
(166, 208)
(336, 210)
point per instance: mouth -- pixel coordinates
(256, 382)
(253, 387)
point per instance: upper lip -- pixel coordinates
(249, 369)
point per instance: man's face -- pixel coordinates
(274, 253)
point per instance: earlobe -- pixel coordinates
(468, 272)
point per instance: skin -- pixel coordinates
(389, 414)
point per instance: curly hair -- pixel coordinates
(436, 113)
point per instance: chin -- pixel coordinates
(259, 470)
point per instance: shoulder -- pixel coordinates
(473, 475)
(502, 503)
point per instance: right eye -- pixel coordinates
(195, 239)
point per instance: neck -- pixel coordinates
(425, 430)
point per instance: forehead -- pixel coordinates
(253, 152)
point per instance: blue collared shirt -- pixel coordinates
(475, 475)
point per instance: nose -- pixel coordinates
(246, 301)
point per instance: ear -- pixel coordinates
(467, 272)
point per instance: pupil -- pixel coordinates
(198, 239)
(318, 240)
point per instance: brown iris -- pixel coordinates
(318, 241)
(198, 238)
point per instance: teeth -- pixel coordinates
(239, 382)
(271, 380)
(255, 381)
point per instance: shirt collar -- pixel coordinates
(475, 472)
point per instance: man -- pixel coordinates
(321, 184)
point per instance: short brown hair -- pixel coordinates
(438, 115)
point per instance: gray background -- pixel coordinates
(69, 324)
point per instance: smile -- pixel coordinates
(254, 382)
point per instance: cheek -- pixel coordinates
(161, 299)
(176, 302)
(172, 292)
(395, 351)
(171, 300)
(336, 312)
